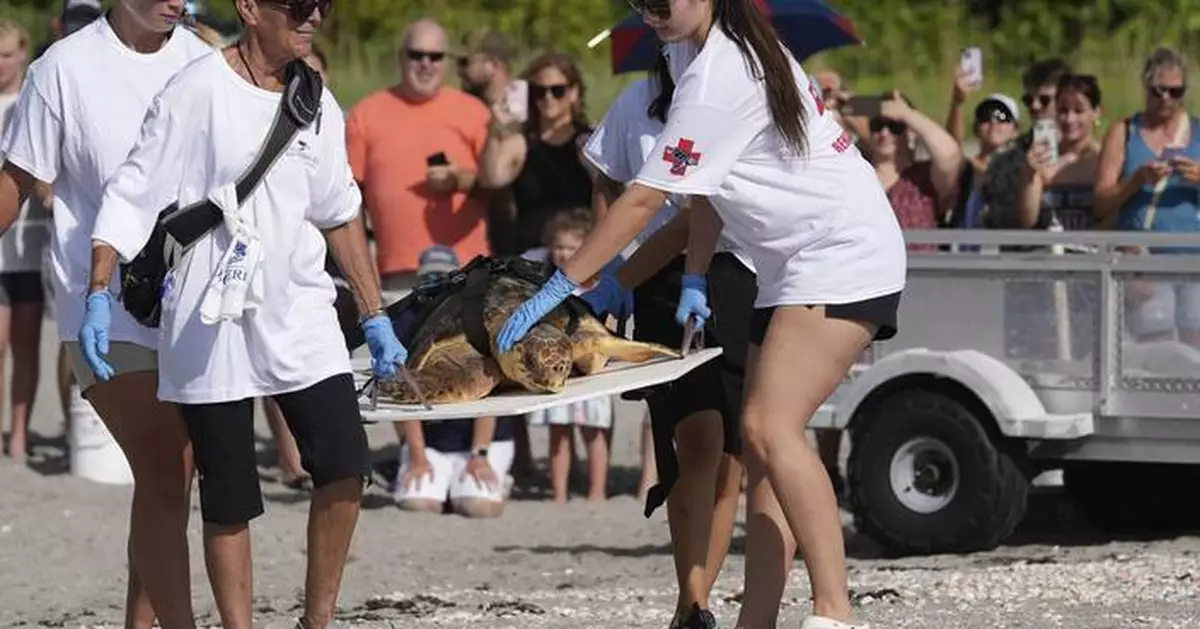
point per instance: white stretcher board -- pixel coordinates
(616, 378)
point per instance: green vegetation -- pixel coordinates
(911, 44)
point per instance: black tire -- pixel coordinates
(981, 512)
(1120, 497)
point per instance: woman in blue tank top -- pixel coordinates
(1148, 181)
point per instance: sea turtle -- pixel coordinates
(448, 369)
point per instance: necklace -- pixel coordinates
(242, 57)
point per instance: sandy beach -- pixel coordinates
(62, 548)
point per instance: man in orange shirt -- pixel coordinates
(414, 149)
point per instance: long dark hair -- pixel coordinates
(660, 77)
(756, 38)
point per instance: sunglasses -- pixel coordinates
(1176, 92)
(412, 54)
(660, 9)
(1043, 100)
(301, 10)
(896, 127)
(992, 113)
(538, 92)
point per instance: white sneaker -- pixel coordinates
(820, 622)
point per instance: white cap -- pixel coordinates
(1006, 101)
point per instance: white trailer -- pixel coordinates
(1009, 363)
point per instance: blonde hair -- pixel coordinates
(578, 220)
(9, 28)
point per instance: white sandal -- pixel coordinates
(820, 622)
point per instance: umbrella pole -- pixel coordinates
(599, 38)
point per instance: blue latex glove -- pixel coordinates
(553, 292)
(693, 300)
(93, 334)
(387, 354)
(609, 297)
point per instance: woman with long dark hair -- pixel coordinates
(695, 419)
(749, 138)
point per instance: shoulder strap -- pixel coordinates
(473, 298)
(298, 108)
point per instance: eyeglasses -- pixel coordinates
(538, 92)
(434, 56)
(301, 10)
(660, 9)
(1043, 100)
(1176, 92)
(896, 127)
(992, 113)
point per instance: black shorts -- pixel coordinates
(714, 386)
(880, 311)
(22, 287)
(324, 419)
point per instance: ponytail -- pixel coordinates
(756, 38)
(660, 74)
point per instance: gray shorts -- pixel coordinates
(1173, 306)
(124, 357)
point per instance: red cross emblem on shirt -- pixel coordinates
(681, 156)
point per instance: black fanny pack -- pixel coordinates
(177, 229)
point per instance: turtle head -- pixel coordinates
(539, 362)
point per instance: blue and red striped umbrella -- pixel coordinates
(805, 26)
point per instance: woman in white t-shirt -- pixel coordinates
(696, 418)
(747, 130)
(78, 115)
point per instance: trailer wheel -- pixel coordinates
(925, 477)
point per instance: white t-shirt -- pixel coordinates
(201, 134)
(21, 248)
(79, 113)
(818, 227)
(622, 143)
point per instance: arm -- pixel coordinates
(15, 186)
(703, 230)
(348, 246)
(604, 191)
(414, 434)
(483, 430)
(654, 254)
(30, 148)
(503, 156)
(1029, 201)
(1110, 193)
(946, 155)
(958, 97)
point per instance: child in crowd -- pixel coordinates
(563, 235)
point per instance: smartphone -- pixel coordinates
(1171, 152)
(866, 106)
(516, 97)
(970, 63)
(437, 159)
(1045, 132)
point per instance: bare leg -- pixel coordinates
(729, 492)
(649, 473)
(596, 440)
(155, 442)
(290, 466)
(66, 380)
(11, 447)
(139, 613)
(227, 556)
(770, 552)
(560, 460)
(804, 358)
(331, 521)
(25, 342)
(698, 439)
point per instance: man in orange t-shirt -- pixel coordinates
(414, 149)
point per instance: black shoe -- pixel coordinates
(699, 619)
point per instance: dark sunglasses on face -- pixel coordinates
(301, 10)
(660, 9)
(434, 56)
(1176, 92)
(1043, 100)
(993, 113)
(538, 92)
(896, 127)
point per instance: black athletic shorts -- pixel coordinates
(716, 385)
(324, 419)
(880, 311)
(22, 287)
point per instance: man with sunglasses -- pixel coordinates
(1000, 193)
(227, 335)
